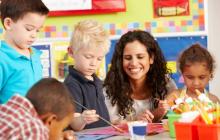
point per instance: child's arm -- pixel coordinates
(81, 119)
(213, 98)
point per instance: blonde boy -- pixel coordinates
(21, 66)
(88, 46)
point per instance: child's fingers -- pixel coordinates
(90, 120)
(68, 135)
(90, 116)
(89, 112)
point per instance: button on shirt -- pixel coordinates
(19, 121)
(17, 72)
(89, 94)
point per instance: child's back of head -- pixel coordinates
(16, 9)
(54, 105)
(50, 95)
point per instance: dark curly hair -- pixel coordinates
(196, 53)
(117, 84)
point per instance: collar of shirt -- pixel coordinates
(81, 78)
(11, 52)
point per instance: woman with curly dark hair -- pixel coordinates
(138, 79)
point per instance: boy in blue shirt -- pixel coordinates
(20, 66)
(88, 46)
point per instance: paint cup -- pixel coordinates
(137, 130)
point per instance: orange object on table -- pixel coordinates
(208, 131)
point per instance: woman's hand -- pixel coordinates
(161, 110)
(163, 107)
(146, 116)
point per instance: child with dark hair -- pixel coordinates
(21, 66)
(43, 114)
(138, 80)
(197, 67)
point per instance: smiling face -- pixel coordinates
(22, 33)
(88, 60)
(196, 76)
(136, 61)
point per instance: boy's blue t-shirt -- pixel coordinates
(17, 72)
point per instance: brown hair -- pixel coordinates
(16, 9)
(195, 53)
(50, 95)
(117, 83)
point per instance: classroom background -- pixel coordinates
(194, 21)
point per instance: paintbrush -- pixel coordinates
(106, 121)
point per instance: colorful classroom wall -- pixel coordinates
(169, 30)
(138, 15)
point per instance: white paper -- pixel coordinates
(62, 5)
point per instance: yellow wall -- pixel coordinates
(136, 11)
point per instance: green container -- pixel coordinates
(171, 119)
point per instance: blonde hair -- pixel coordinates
(89, 33)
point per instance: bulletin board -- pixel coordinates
(45, 58)
(83, 7)
(171, 47)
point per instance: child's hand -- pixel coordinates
(90, 116)
(146, 116)
(68, 135)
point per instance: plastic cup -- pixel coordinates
(186, 131)
(137, 130)
(209, 131)
(171, 119)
